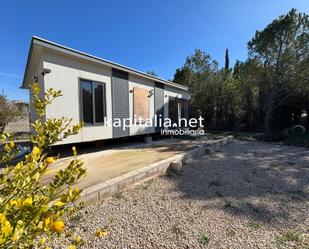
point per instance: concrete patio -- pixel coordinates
(107, 164)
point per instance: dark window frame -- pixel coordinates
(93, 83)
(179, 105)
(173, 109)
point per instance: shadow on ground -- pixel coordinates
(264, 182)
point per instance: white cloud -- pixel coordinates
(10, 75)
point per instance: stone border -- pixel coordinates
(120, 183)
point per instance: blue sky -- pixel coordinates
(143, 34)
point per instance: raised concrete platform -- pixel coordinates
(136, 176)
(104, 165)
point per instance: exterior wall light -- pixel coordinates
(45, 71)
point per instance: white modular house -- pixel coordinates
(95, 90)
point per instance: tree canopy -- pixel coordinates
(7, 111)
(268, 91)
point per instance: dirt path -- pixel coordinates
(249, 195)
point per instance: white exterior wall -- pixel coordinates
(64, 76)
(135, 81)
(66, 71)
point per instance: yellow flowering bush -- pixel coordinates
(30, 209)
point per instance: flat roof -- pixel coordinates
(66, 50)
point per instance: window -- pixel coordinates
(87, 111)
(93, 104)
(99, 106)
(176, 108)
(182, 108)
(173, 109)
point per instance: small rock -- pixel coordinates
(176, 167)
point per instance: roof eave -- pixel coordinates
(23, 85)
(51, 45)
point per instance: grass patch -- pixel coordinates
(147, 184)
(177, 231)
(289, 236)
(254, 225)
(203, 239)
(119, 196)
(76, 218)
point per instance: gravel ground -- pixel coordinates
(247, 195)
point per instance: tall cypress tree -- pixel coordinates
(227, 60)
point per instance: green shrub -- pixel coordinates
(203, 239)
(301, 139)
